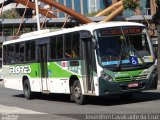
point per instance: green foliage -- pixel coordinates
(10, 14)
(156, 17)
(130, 4)
(157, 1)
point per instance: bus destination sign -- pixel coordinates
(107, 32)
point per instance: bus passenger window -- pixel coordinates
(53, 48)
(72, 45)
(17, 52)
(59, 47)
(68, 54)
(30, 51)
(33, 51)
(4, 54)
(68, 46)
(8, 60)
(76, 45)
(12, 53)
(21, 52)
(60, 53)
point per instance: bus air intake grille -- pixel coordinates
(129, 78)
(141, 77)
(123, 79)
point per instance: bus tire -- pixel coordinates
(27, 90)
(79, 98)
(71, 95)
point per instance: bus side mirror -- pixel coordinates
(85, 35)
(94, 43)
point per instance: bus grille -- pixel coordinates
(129, 78)
(141, 77)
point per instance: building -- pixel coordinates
(83, 7)
(11, 6)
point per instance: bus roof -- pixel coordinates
(88, 27)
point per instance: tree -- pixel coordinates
(10, 14)
(156, 19)
(130, 4)
(107, 3)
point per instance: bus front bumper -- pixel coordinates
(106, 87)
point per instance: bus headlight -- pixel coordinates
(106, 77)
(154, 72)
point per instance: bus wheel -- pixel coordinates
(71, 95)
(27, 90)
(126, 96)
(77, 93)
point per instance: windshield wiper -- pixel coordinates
(118, 67)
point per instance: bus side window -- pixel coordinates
(12, 53)
(59, 47)
(22, 52)
(72, 45)
(30, 50)
(68, 46)
(17, 53)
(76, 45)
(53, 47)
(8, 60)
(4, 54)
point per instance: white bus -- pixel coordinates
(94, 59)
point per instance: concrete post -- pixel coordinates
(158, 56)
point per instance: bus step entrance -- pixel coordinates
(45, 92)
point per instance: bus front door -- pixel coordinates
(42, 57)
(88, 69)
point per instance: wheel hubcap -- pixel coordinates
(77, 92)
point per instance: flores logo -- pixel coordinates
(20, 69)
(122, 75)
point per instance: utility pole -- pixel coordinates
(73, 6)
(81, 5)
(37, 15)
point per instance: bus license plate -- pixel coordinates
(132, 85)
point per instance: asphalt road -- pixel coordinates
(14, 106)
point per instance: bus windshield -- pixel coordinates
(123, 47)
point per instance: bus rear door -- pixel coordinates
(43, 58)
